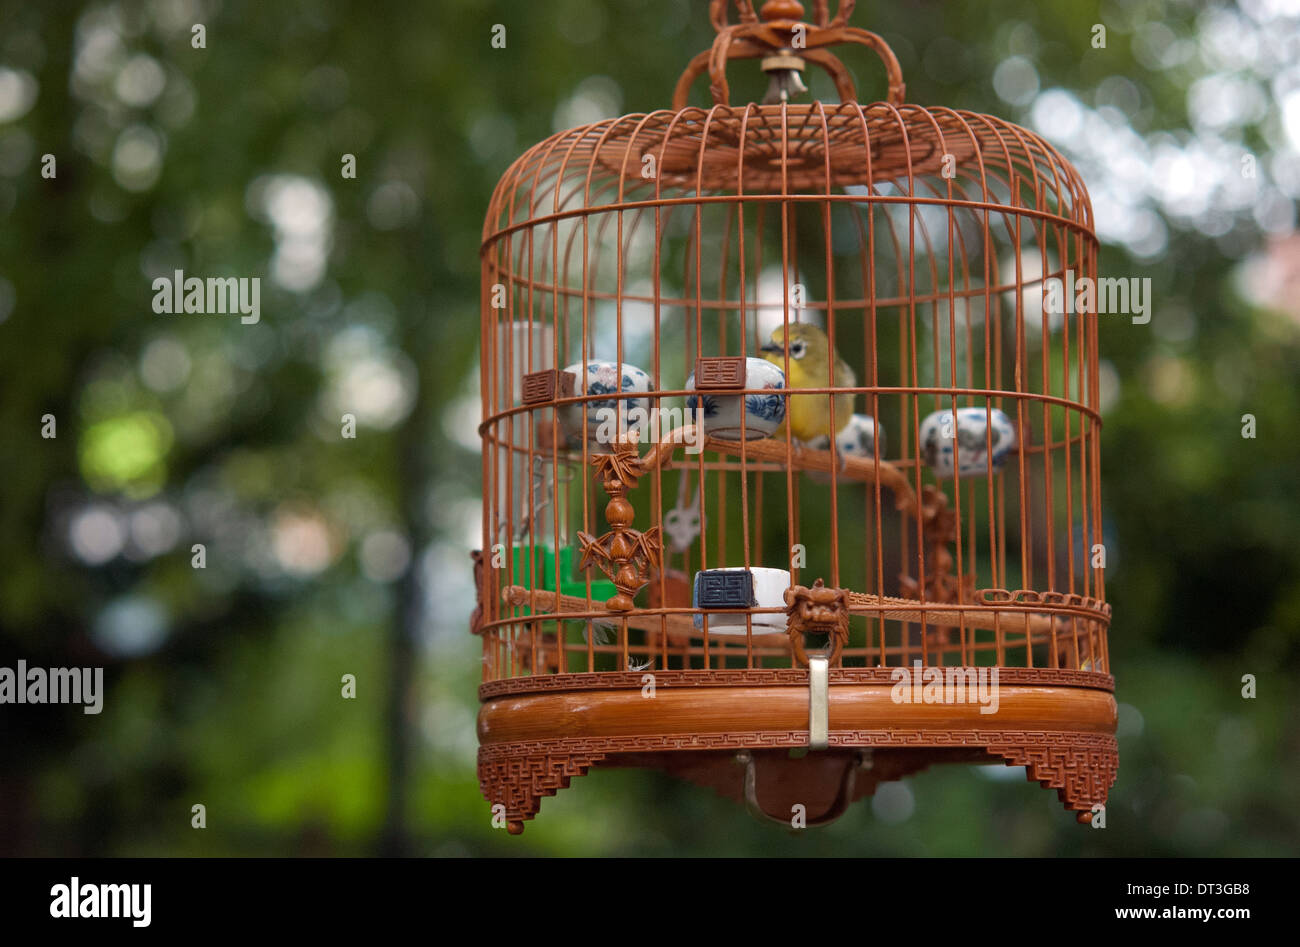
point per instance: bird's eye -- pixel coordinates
(796, 350)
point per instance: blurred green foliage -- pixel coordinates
(328, 556)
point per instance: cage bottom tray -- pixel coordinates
(733, 731)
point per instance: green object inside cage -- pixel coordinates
(536, 568)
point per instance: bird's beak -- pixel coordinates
(773, 348)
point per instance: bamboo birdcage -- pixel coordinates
(921, 241)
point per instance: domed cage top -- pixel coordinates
(791, 440)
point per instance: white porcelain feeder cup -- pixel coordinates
(755, 587)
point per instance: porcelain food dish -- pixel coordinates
(763, 412)
(607, 418)
(972, 440)
(766, 589)
(855, 439)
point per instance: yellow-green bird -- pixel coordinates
(810, 415)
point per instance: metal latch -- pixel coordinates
(819, 702)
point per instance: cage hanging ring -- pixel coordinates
(752, 40)
(821, 13)
(831, 652)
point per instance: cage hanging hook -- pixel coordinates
(860, 760)
(781, 31)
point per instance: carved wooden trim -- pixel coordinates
(795, 677)
(518, 778)
(939, 531)
(999, 741)
(626, 555)
(1081, 767)
(817, 610)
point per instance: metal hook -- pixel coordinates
(860, 760)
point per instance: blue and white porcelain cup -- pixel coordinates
(763, 412)
(608, 419)
(977, 447)
(858, 437)
(855, 439)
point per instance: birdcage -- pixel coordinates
(791, 446)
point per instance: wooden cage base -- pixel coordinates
(1059, 725)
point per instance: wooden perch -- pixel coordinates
(806, 458)
(863, 469)
(983, 617)
(951, 615)
(547, 601)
